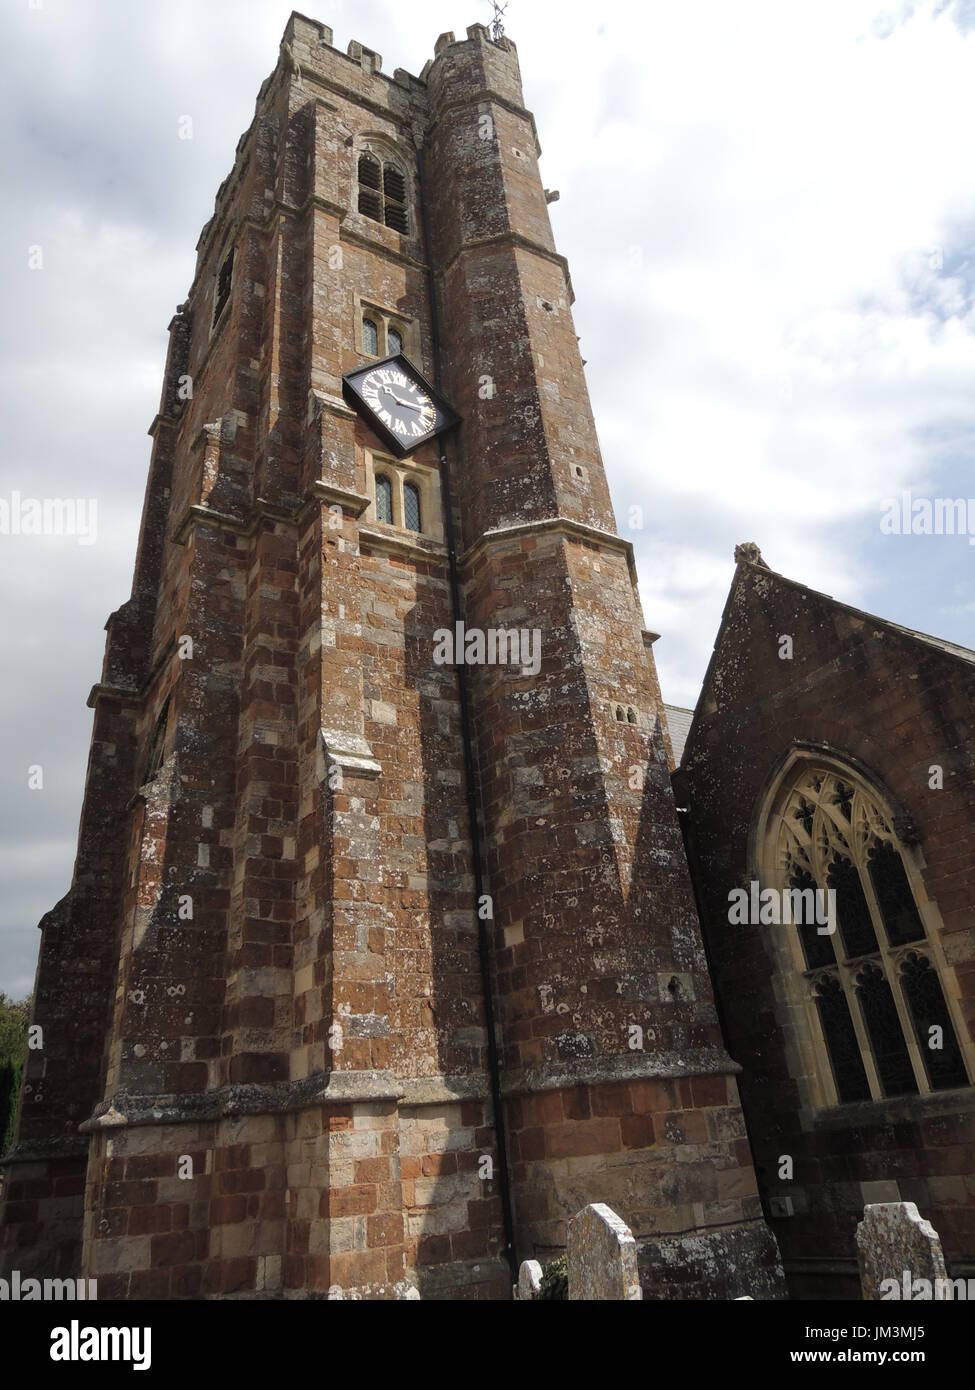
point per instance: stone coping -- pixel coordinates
(596, 1071)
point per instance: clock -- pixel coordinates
(398, 404)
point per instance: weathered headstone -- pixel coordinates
(529, 1281)
(899, 1250)
(602, 1256)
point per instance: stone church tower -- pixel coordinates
(267, 1067)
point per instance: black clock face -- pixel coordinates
(399, 405)
(402, 405)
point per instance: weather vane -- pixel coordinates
(497, 28)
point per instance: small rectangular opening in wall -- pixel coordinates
(224, 282)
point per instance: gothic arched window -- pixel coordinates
(370, 338)
(870, 977)
(384, 499)
(394, 341)
(411, 507)
(382, 192)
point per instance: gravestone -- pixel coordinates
(898, 1249)
(529, 1281)
(602, 1256)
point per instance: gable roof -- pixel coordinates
(679, 722)
(748, 557)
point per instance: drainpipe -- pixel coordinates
(484, 944)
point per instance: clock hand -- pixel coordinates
(410, 405)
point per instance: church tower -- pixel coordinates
(377, 965)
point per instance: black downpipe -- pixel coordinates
(484, 944)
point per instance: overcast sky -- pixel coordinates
(769, 211)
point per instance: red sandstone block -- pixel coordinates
(187, 1281)
(637, 1132)
(149, 1220)
(531, 1144)
(359, 1267)
(543, 1109)
(575, 1103)
(614, 1099)
(433, 1165)
(177, 1249)
(649, 1097)
(582, 1138)
(372, 1170)
(486, 1211)
(236, 1276)
(681, 1127)
(395, 1263)
(227, 1211)
(358, 1200)
(709, 1090)
(432, 1250)
(150, 1166)
(341, 1117)
(385, 1229)
(470, 1245)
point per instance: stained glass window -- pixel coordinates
(841, 1040)
(852, 909)
(932, 1024)
(902, 921)
(817, 947)
(890, 1054)
(827, 830)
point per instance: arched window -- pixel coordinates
(382, 192)
(874, 983)
(370, 338)
(394, 341)
(411, 507)
(384, 499)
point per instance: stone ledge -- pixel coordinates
(398, 545)
(63, 1148)
(260, 1098)
(440, 1090)
(597, 1071)
(351, 752)
(564, 524)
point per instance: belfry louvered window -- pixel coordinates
(876, 984)
(382, 193)
(225, 279)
